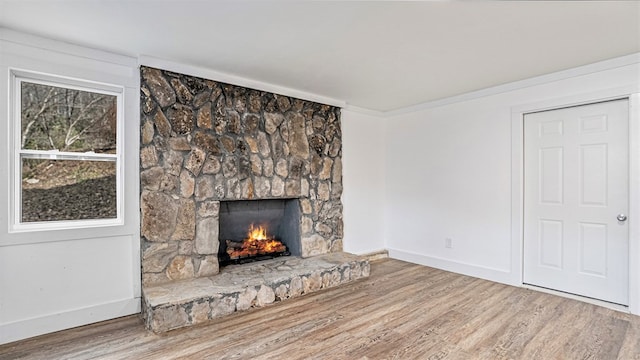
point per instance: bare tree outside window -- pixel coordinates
(68, 147)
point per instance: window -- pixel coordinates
(66, 152)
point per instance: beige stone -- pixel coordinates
(151, 178)
(265, 296)
(325, 173)
(179, 143)
(267, 167)
(181, 267)
(195, 160)
(272, 121)
(185, 221)
(207, 236)
(282, 168)
(277, 187)
(209, 208)
(187, 184)
(337, 171)
(314, 245)
(211, 165)
(185, 247)
(323, 191)
(306, 206)
(204, 187)
(281, 292)
(170, 317)
(173, 162)
(312, 283)
(306, 225)
(200, 312)
(295, 287)
(246, 298)
(159, 212)
(323, 229)
(293, 187)
(262, 186)
(263, 145)
(159, 86)
(147, 132)
(208, 266)
(204, 117)
(252, 143)
(157, 256)
(304, 187)
(298, 143)
(148, 157)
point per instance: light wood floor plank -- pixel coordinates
(402, 311)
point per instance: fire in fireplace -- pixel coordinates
(257, 244)
(254, 230)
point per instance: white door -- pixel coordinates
(576, 200)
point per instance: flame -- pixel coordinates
(256, 243)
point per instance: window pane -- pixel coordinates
(57, 118)
(54, 190)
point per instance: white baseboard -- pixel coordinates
(24, 329)
(482, 272)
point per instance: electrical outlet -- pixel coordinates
(448, 243)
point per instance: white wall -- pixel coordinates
(449, 170)
(363, 163)
(57, 279)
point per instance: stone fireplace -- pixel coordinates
(209, 148)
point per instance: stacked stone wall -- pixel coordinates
(203, 142)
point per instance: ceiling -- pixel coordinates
(375, 55)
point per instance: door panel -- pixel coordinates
(576, 183)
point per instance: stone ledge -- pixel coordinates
(240, 287)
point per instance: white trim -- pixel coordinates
(235, 80)
(517, 190)
(55, 322)
(364, 111)
(517, 85)
(483, 272)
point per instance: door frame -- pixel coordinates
(517, 179)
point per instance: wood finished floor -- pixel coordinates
(403, 311)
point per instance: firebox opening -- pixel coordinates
(276, 220)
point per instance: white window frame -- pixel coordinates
(16, 77)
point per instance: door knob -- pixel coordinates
(621, 217)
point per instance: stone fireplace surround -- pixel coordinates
(203, 142)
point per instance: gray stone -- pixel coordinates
(306, 225)
(298, 143)
(206, 241)
(181, 267)
(267, 167)
(158, 86)
(157, 256)
(234, 191)
(277, 187)
(150, 179)
(278, 146)
(272, 121)
(148, 157)
(295, 287)
(223, 306)
(187, 184)
(265, 296)
(208, 266)
(246, 298)
(195, 160)
(159, 212)
(262, 186)
(323, 229)
(263, 145)
(185, 221)
(185, 248)
(281, 292)
(209, 208)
